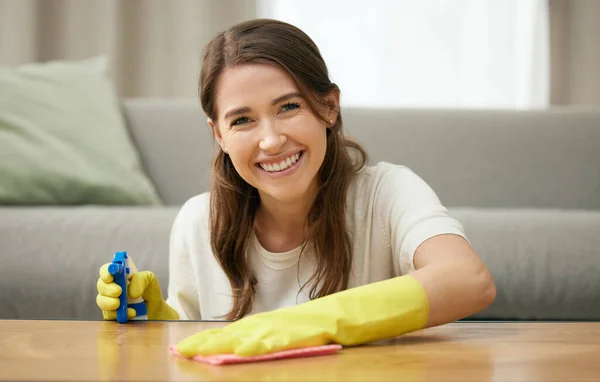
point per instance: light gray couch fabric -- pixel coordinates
(525, 184)
(545, 262)
(51, 255)
(492, 158)
(175, 143)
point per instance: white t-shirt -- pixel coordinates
(390, 212)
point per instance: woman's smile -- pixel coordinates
(287, 166)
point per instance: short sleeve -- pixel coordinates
(410, 212)
(183, 294)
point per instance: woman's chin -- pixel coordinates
(290, 193)
(282, 196)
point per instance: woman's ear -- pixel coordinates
(333, 105)
(216, 132)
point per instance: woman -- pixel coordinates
(299, 242)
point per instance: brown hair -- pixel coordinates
(233, 202)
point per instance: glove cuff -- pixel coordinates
(162, 311)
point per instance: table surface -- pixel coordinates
(464, 351)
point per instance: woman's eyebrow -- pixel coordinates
(239, 110)
(246, 109)
(285, 97)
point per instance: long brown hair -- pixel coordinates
(233, 202)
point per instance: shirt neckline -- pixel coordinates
(276, 260)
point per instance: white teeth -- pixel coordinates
(284, 164)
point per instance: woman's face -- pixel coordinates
(275, 141)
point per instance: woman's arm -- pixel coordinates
(449, 283)
(456, 281)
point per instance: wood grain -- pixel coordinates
(107, 351)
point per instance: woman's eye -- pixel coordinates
(240, 121)
(290, 106)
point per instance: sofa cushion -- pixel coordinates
(63, 138)
(544, 262)
(51, 255)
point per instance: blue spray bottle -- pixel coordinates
(122, 272)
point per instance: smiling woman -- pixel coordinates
(268, 105)
(299, 240)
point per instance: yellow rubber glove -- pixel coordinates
(369, 313)
(142, 284)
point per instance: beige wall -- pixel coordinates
(575, 52)
(155, 45)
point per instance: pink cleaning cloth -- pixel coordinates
(223, 359)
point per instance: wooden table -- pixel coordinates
(96, 350)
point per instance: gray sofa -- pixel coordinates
(525, 184)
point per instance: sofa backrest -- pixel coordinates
(473, 158)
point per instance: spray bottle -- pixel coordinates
(122, 271)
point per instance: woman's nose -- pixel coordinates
(272, 141)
